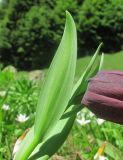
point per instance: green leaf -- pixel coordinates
(75, 109)
(101, 61)
(55, 139)
(56, 90)
(58, 84)
(96, 69)
(81, 85)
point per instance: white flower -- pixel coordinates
(100, 121)
(2, 93)
(5, 107)
(100, 158)
(83, 121)
(22, 118)
(80, 115)
(91, 114)
(103, 158)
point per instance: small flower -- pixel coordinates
(104, 96)
(22, 118)
(91, 114)
(102, 158)
(5, 107)
(2, 93)
(100, 121)
(83, 121)
(80, 115)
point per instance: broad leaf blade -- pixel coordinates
(57, 88)
(56, 91)
(56, 138)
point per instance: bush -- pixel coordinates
(34, 29)
(30, 30)
(101, 21)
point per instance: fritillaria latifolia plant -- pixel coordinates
(59, 100)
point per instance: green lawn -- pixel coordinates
(111, 61)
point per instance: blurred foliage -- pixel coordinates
(6, 76)
(23, 96)
(31, 30)
(101, 21)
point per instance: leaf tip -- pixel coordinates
(67, 13)
(68, 16)
(100, 45)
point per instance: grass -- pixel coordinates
(111, 62)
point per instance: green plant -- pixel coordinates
(58, 103)
(17, 109)
(22, 95)
(6, 77)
